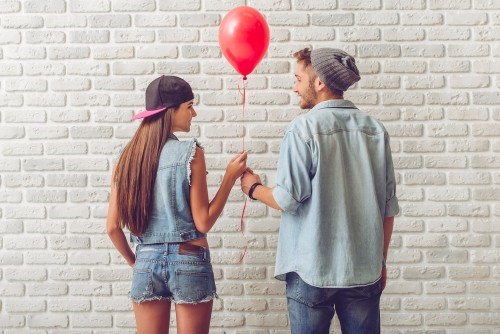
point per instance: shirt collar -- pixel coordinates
(334, 104)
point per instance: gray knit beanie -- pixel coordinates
(336, 68)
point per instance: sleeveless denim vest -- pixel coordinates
(171, 219)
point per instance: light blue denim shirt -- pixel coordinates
(335, 183)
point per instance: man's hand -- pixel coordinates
(384, 277)
(247, 179)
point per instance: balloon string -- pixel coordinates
(243, 96)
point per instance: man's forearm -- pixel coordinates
(265, 195)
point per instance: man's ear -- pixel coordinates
(319, 85)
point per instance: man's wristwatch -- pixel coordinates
(252, 188)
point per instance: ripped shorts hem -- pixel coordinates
(150, 299)
(205, 300)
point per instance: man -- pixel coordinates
(336, 189)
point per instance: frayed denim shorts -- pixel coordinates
(179, 272)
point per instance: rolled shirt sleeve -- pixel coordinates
(293, 177)
(391, 201)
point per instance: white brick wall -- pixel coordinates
(73, 72)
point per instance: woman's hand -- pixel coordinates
(237, 166)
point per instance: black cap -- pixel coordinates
(165, 92)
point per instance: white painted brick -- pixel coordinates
(69, 305)
(441, 4)
(113, 52)
(79, 196)
(43, 69)
(20, 212)
(65, 21)
(75, 52)
(178, 35)
(138, 36)
(133, 68)
(379, 51)
(46, 321)
(69, 274)
(424, 82)
(12, 321)
(277, 35)
(485, 162)
(11, 290)
(445, 195)
(10, 37)
(449, 66)
(10, 100)
(470, 241)
(46, 196)
(466, 18)
(69, 211)
(277, 5)
(403, 34)
(45, 6)
(90, 289)
(445, 162)
(47, 289)
(199, 20)
(82, 6)
(425, 50)
(446, 256)
(20, 306)
(25, 53)
(423, 146)
(414, 303)
(9, 196)
(25, 275)
(10, 6)
(154, 20)
(136, 6)
(22, 22)
(421, 19)
(447, 130)
(400, 319)
(469, 178)
(17, 149)
(11, 258)
(178, 5)
(469, 50)
(468, 210)
(70, 84)
(397, 66)
(45, 37)
(45, 258)
(359, 34)
(289, 19)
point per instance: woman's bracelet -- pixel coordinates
(252, 188)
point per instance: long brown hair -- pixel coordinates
(136, 170)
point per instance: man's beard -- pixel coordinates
(308, 99)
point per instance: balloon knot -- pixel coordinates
(244, 77)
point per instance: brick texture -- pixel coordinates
(73, 72)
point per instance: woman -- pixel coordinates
(159, 193)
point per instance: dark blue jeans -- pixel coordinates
(311, 309)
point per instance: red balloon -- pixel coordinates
(244, 38)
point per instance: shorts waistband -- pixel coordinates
(174, 248)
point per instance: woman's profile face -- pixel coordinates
(181, 119)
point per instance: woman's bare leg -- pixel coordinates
(152, 317)
(193, 318)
